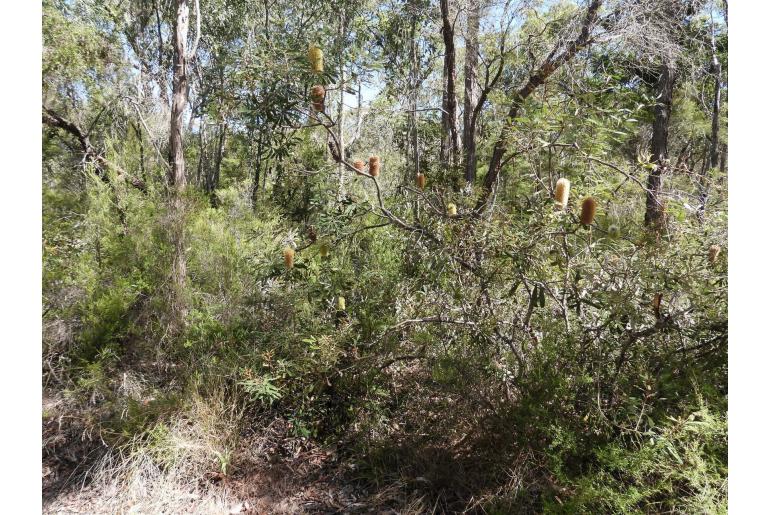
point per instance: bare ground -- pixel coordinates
(271, 472)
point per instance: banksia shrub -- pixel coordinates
(451, 209)
(714, 251)
(318, 95)
(561, 194)
(374, 166)
(359, 165)
(288, 257)
(587, 211)
(316, 57)
(341, 303)
(421, 181)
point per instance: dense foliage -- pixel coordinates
(457, 346)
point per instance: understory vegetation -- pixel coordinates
(517, 305)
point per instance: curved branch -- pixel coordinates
(91, 154)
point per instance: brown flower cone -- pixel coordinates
(421, 181)
(317, 96)
(714, 252)
(288, 257)
(374, 166)
(588, 211)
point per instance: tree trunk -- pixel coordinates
(162, 80)
(449, 141)
(716, 70)
(201, 174)
(176, 176)
(218, 164)
(341, 117)
(413, 99)
(140, 139)
(257, 172)
(469, 102)
(664, 92)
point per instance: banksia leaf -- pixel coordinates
(359, 165)
(451, 209)
(421, 181)
(587, 211)
(341, 303)
(288, 257)
(714, 251)
(561, 193)
(374, 166)
(316, 57)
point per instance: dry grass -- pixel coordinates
(206, 460)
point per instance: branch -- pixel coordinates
(194, 48)
(433, 319)
(386, 213)
(546, 69)
(149, 134)
(54, 119)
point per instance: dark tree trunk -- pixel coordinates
(214, 184)
(723, 162)
(449, 140)
(664, 92)
(469, 102)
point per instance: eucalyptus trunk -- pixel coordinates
(176, 175)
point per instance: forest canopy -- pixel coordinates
(357, 256)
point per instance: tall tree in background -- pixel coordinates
(341, 110)
(469, 100)
(450, 138)
(664, 93)
(715, 68)
(673, 15)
